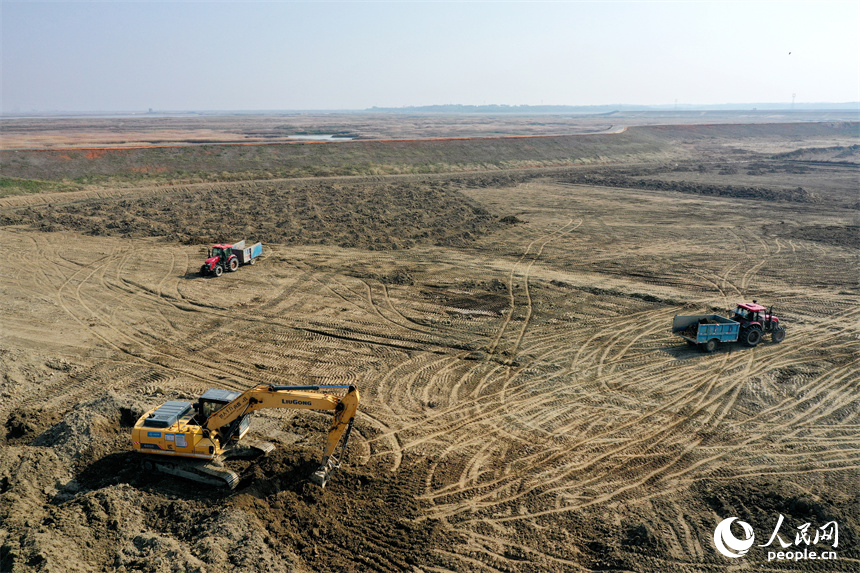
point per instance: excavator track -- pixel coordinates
(201, 472)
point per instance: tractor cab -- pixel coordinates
(220, 253)
(753, 313)
(749, 312)
(756, 320)
(220, 258)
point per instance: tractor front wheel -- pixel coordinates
(219, 270)
(778, 334)
(751, 337)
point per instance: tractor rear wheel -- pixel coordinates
(234, 265)
(778, 334)
(751, 336)
(219, 270)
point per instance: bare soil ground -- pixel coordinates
(524, 404)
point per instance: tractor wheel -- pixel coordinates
(204, 270)
(778, 334)
(710, 346)
(219, 270)
(234, 265)
(751, 337)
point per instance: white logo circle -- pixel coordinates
(728, 544)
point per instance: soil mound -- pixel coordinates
(380, 216)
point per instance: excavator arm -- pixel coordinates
(301, 397)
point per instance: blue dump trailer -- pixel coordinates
(247, 255)
(706, 330)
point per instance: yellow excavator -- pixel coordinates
(193, 440)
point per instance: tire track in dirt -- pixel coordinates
(512, 304)
(719, 413)
(526, 275)
(397, 325)
(777, 431)
(716, 413)
(542, 459)
(519, 406)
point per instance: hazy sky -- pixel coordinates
(279, 55)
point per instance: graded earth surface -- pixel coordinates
(504, 307)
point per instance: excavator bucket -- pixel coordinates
(329, 462)
(324, 472)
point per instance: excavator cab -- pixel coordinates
(213, 400)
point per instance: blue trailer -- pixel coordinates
(247, 255)
(706, 330)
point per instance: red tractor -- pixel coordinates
(228, 258)
(756, 321)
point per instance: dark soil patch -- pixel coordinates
(373, 216)
(364, 520)
(795, 195)
(483, 299)
(24, 425)
(836, 235)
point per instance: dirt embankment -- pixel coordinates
(391, 215)
(123, 166)
(29, 171)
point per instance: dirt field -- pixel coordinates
(525, 406)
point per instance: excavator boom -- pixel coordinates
(306, 397)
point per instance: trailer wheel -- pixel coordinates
(219, 270)
(710, 346)
(253, 261)
(751, 337)
(234, 265)
(778, 334)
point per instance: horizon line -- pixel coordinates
(436, 108)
